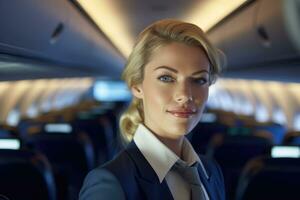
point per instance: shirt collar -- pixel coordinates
(158, 155)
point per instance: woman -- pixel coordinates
(169, 73)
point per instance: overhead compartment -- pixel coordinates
(260, 33)
(54, 31)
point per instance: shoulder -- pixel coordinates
(101, 184)
(110, 180)
(122, 166)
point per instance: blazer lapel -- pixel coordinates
(146, 176)
(155, 190)
(205, 178)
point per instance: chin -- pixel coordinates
(179, 131)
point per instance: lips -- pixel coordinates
(185, 113)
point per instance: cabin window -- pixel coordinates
(278, 116)
(13, 117)
(226, 101)
(297, 121)
(46, 105)
(261, 113)
(213, 102)
(243, 105)
(32, 111)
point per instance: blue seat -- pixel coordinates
(276, 130)
(292, 138)
(71, 157)
(99, 129)
(203, 132)
(270, 178)
(25, 175)
(232, 153)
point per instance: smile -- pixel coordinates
(182, 114)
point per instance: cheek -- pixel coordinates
(201, 95)
(156, 96)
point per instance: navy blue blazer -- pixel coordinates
(130, 176)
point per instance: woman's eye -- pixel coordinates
(166, 78)
(200, 81)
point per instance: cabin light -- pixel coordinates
(111, 21)
(10, 144)
(285, 152)
(208, 13)
(61, 128)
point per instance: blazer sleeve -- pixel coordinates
(101, 184)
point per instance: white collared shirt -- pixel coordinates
(161, 159)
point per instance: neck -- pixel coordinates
(174, 144)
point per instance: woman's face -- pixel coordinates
(174, 89)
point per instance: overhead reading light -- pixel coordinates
(285, 152)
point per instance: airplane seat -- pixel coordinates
(27, 127)
(292, 138)
(203, 132)
(4, 133)
(8, 134)
(232, 153)
(269, 178)
(71, 157)
(264, 134)
(25, 175)
(276, 130)
(8, 131)
(100, 132)
(226, 117)
(113, 115)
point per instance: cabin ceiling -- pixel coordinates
(122, 20)
(94, 37)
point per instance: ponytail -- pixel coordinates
(131, 118)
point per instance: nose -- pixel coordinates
(183, 93)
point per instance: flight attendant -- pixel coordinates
(169, 73)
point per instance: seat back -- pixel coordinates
(270, 178)
(25, 175)
(203, 132)
(232, 153)
(71, 157)
(100, 131)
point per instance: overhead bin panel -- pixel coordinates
(260, 33)
(56, 31)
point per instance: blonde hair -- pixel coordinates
(156, 35)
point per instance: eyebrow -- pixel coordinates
(175, 71)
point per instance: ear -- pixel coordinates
(137, 91)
